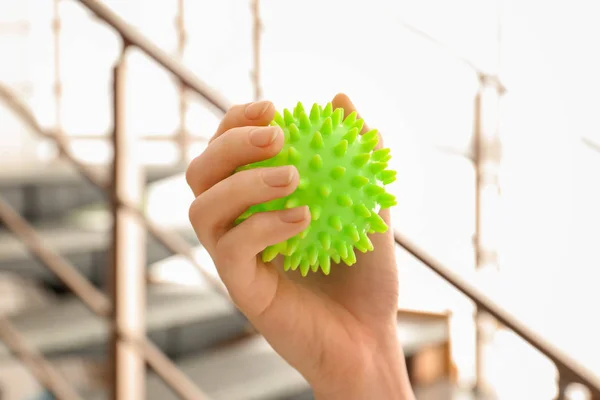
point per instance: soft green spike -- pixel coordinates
(291, 246)
(294, 133)
(359, 181)
(344, 200)
(388, 176)
(278, 119)
(338, 172)
(377, 167)
(360, 160)
(315, 212)
(373, 190)
(379, 155)
(287, 263)
(350, 119)
(365, 242)
(352, 232)
(341, 148)
(325, 263)
(296, 258)
(298, 110)
(292, 202)
(313, 254)
(327, 127)
(369, 146)
(336, 223)
(361, 210)
(360, 247)
(316, 162)
(359, 124)
(325, 239)
(304, 267)
(315, 113)
(377, 223)
(350, 259)
(338, 116)
(386, 200)
(317, 141)
(288, 117)
(303, 184)
(336, 258)
(351, 135)
(324, 191)
(304, 233)
(305, 124)
(270, 253)
(294, 155)
(372, 134)
(341, 180)
(341, 249)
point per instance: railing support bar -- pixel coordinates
(92, 297)
(128, 267)
(43, 371)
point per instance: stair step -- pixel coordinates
(448, 391)
(40, 191)
(252, 370)
(247, 370)
(179, 320)
(86, 248)
(61, 172)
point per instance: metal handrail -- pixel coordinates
(131, 36)
(563, 362)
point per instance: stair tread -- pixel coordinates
(61, 236)
(68, 324)
(445, 390)
(60, 172)
(243, 371)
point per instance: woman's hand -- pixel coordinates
(338, 331)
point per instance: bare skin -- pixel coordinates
(338, 331)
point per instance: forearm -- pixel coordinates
(386, 378)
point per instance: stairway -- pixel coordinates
(194, 325)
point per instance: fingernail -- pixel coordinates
(264, 136)
(277, 177)
(294, 214)
(257, 109)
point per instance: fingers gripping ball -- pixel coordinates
(342, 181)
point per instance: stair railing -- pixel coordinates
(569, 370)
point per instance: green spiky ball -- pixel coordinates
(341, 180)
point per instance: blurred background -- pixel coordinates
(489, 106)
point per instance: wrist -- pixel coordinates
(382, 376)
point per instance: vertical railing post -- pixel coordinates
(256, 34)
(57, 85)
(183, 134)
(487, 156)
(128, 252)
(562, 384)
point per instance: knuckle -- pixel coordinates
(224, 253)
(191, 173)
(197, 213)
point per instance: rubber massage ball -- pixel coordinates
(342, 180)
